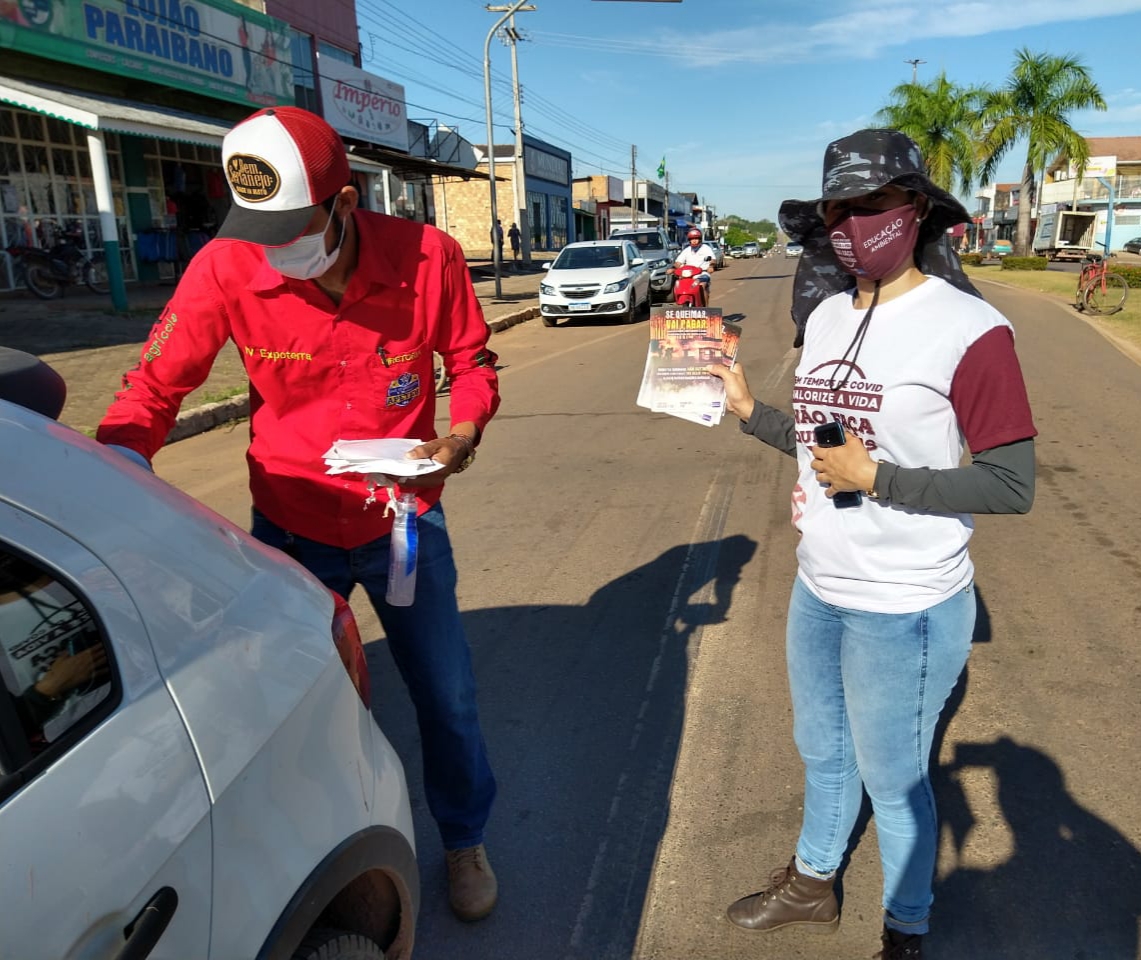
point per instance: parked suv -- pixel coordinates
(653, 245)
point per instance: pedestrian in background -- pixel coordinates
(516, 238)
(497, 239)
(336, 313)
(900, 349)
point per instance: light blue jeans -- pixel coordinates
(431, 652)
(867, 690)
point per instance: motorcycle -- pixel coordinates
(688, 290)
(48, 273)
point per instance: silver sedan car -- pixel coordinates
(188, 764)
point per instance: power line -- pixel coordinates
(426, 42)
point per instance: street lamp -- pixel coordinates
(495, 250)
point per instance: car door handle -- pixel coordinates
(144, 931)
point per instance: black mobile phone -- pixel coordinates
(831, 434)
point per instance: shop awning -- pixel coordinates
(97, 112)
(408, 167)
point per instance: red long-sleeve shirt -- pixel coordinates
(319, 371)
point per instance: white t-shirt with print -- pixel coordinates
(701, 257)
(880, 557)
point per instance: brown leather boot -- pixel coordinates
(792, 899)
(900, 946)
(472, 887)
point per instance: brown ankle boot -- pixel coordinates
(791, 899)
(472, 887)
(900, 946)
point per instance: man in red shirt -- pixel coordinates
(336, 313)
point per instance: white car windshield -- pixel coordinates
(644, 241)
(588, 258)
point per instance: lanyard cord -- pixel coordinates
(857, 343)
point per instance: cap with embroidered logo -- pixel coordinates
(282, 163)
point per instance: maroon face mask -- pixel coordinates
(874, 245)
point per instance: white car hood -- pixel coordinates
(602, 275)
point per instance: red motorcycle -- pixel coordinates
(688, 290)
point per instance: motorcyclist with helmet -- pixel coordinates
(698, 254)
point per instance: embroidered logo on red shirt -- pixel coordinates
(403, 390)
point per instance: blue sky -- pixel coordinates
(740, 96)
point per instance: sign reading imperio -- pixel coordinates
(194, 45)
(363, 106)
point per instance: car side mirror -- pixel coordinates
(637, 262)
(547, 265)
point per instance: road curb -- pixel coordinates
(198, 420)
(512, 319)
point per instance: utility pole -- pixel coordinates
(669, 219)
(497, 259)
(520, 178)
(914, 70)
(633, 187)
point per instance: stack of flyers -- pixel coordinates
(382, 456)
(684, 341)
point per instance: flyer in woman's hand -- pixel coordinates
(382, 456)
(684, 341)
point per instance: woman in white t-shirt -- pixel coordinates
(900, 350)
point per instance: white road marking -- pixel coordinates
(709, 527)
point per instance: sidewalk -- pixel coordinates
(92, 347)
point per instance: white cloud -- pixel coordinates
(865, 30)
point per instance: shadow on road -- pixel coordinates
(582, 708)
(767, 278)
(69, 324)
(1069, 888)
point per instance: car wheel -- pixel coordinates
(329, 944)
(550, 321)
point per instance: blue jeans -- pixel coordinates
(867, 690)
(431, 652)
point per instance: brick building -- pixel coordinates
(463, 209)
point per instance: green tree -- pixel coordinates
(942, 118)
(1034, 106)
(739, 230)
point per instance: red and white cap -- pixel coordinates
(282, 163)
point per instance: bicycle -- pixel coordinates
(1099, 291)
(48, 273)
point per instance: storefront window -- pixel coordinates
(335, 53)
(58, 131)
(537, 205)
(411, 199)
(304, 85)
(46, 186)
(558, 222)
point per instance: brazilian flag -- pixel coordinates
(662, 168)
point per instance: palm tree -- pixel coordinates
(1040, 93)
(942, 118)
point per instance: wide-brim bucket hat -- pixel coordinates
(855, 165)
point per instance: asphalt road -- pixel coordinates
(624, 579)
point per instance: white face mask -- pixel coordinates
(305, 258)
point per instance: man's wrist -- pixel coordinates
(467, 450)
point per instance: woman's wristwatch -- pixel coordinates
(872, 493)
